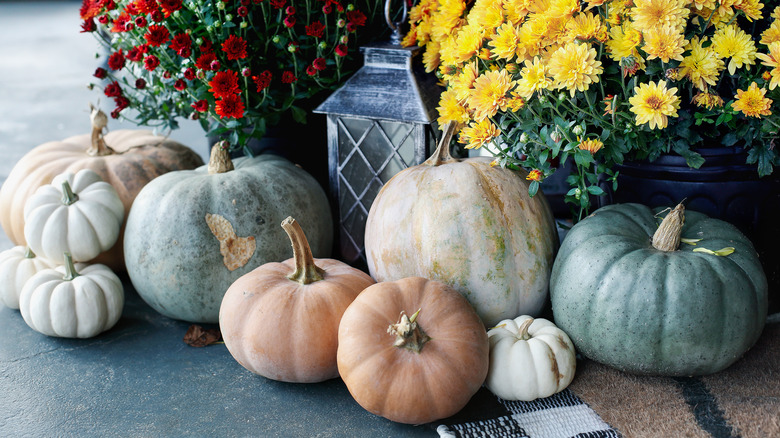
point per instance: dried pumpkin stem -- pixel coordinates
(442, 154)
(305, 270)
(219, 161)
(98, 146)
(70, 268)
(408, 334)
(667, 236)
(68, 197)
(522, 331)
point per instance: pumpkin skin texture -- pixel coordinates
(281, 320)
(642, 310)
(72, 301)
(191, 234)
(126, 159)
(529, 359)
(17, 265)
(428, 376)
(469, 225)
(80, 214)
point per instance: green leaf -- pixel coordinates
(533, 188)
(720, 253)
(299, 114)
(595, 190)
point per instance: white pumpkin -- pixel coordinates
(80, 214)
(72, 301)
(17, 265)
(529, 359)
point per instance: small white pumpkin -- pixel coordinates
(80, 214)
(72, 301)
(529, 359)
(17, 265)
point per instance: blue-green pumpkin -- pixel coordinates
(631, 295)
(191, 234)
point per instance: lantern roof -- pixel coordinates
(389, 86)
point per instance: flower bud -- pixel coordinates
(228, 17)
(556, 136)
(217, 24)
(344, 39)
(323, 45)
(177, 14)
(578, 130)
(350, 7)
(577, 193)
(523, 137)
(221, 6)
(276, 39)
(243, 25)
(246, 72)
(341, 23)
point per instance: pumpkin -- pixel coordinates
(632, 296)
(192, 233)
(412, 350)
(281, 320)
(529, 359)
(80, 214)
(73, 300)
(126, 159)
(17, 265)
(470, 225)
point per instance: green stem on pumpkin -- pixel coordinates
(306, 271)
(219, 161)
(667, 236)
(68, 197)
(70, 269)
(28, 253)
(408, 334)
(442, 154)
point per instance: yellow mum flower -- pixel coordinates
(665, 43)
(535, 175)
(574, 67)
(584, 27)
(703, 4)
(462, 83)
(468, 43)
(487, 14)
(490, 94)
(772, 60)
(732, 42)
(533, 77)
(432, 56)
(562, 8)
(505, 43)
(531, 35)
(592, 145)
(623, 42)
(702, 66)
(772, 34)
(654, 103)
(708, 100)
(776, 13)
(478, 134)
(451, 110)
(448, 18)
(751, 9)
(516, 102)
(515, 10)
(752, 102)
(652, 14)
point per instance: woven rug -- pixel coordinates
(741, 401)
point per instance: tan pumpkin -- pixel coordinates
(412, 369)
(470, 225)
(126, 159)
(281, 320)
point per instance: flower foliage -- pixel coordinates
(232, 64)
(542, 81)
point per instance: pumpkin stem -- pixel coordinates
(442, 153)
(408, 334)
(306, 271)
(70, 269)
(219, 161)
(667, 236)
(28, 253)
(522, 333)
(98, 146)
(68, 197)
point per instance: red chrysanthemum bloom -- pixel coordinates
(310, 70)
(100, 73)
(535, 175)
(146, 6)
(115, 113)
(113, 90)
(289, 10)
(234, 47)
(140, 83)
(230, 106)
(262, 81)
(104, 19)
(91, 9)
(88, 26)
(242, 11)
(180, 85)
(224, 83)
(182, 44)
(170, 6)
(201, 106)
(214, 65)
(204, 61)
(117, 60)
(341, 50)
(288, 77)
(151, 62)
(356, 17)
(131, 9)
(207, 46)
(316, 29)
(278, 4)
(121, 102)
(140, 21)
(157, 16)
(136, 53)
(189, 73)
(289, 21)
(327, 9)
(120, 23)
(319, 63)
(157, 35)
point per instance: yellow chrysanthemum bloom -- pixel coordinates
(447, 52)
(753, 102)
(574, 67)
(751, 9)
(776, 13)
(652, 14)
(451, 110)
(490, 94)
(618, 12)
(487, 14)
(533, 77)
(531, 35)
(708, 100)
(449, 16)
(462, 83)
(584, 27)
(591, 145)
(704, 4)
(478, 134)
(516, 102)
(505, 43)
(665, 43)
(623, 42)
(718, 17)
(654, 104)
(772, 34)
(432, 56)
(535, 175)
(538, 6)
(562, 8)
(556, 29)
(468, 43)
(702, 66)
(515, 10)
(772, 60)
(732, 42)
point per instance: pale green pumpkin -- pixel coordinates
(191, 234)
(630, 298)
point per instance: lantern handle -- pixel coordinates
(396, 37)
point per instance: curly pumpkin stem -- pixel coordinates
(522, 331)
(305, 270)
(70, 268)
(667, 236)
(219, 160)
(68, 197)
(408, 334)
(442, 154)
(98, 146)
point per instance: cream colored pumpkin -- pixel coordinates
(17, 265)
(72, 301)
(80, 214)
(529, 359)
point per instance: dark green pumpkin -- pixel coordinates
(666, 311)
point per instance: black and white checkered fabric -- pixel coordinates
(563, 415)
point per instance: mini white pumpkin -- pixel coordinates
(529, 359)
(17, 265)
(80, 214)
(72, 301)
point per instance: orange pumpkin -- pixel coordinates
(127, 159)
(422, 368)
(281, 320)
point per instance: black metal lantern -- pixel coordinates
(381, 121)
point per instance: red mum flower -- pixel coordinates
(204, 61)
(319, 63)
(113, 89)
(121, 102)
(224, 83)
(136, 53)
(131, 9)
(230, 106)
(310, 70)
(140, 83)
(100, 73)
(157, 35)
(90, 9)
(242, 11)
(120, 23)
(235, 47)
(316, 29)
(140, 21)
(189, 73)
(180, 85)
(158, 16)
(146, 6)
(151, 62)
(104, 19)
(115, 113)
(289, 10)
(170, 6)
(201, 106)
(341, 50)
(262, 81)
(207, 46)
(288, 77)
(182, 44)
(289, 21)
(88, 26)
(327, 9)
(356, 17)
(117, 60)
(278, 4)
